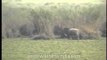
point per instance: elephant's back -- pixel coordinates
(75, 29)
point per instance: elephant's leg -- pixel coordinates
(75, 37)
(67, 36)
(70, 36)
(78, 36)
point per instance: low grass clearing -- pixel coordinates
(57, 49)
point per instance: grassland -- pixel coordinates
(26, 49)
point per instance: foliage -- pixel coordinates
(43, 18)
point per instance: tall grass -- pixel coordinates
(43, 18)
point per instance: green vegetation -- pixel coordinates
(23, 18)
(43, 18)
(26, 49)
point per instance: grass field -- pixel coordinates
(26, 49)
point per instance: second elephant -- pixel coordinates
(71, 33)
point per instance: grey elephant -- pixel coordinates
(71, 33)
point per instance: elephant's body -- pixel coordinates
(71, 33)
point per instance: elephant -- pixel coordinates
(71, 33)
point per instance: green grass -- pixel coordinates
(26, 49)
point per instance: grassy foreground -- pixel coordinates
(25, 49)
